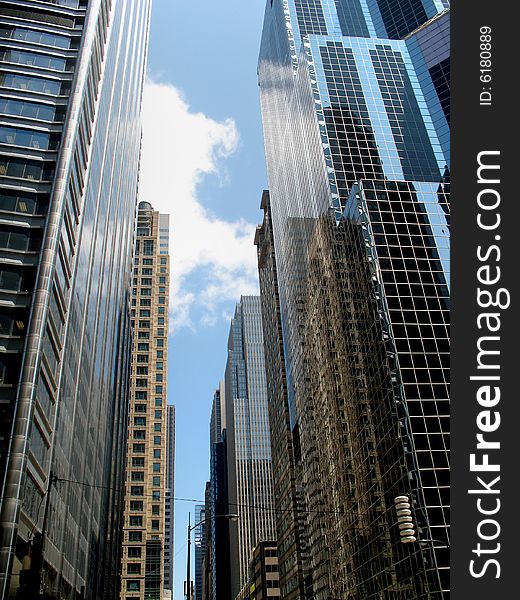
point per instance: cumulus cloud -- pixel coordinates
(213, 260)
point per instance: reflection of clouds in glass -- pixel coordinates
(179, 148)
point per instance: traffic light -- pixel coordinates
(404, 519)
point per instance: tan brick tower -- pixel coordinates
(143, 536)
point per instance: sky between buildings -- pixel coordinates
(203, 163)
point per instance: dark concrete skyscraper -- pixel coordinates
(217, 561)
(71, 77)
(200, 547)
(359, 221)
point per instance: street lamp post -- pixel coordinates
(190, 529)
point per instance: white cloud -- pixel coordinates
(213, 260)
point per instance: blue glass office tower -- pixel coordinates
(71, 76)
(358, 165)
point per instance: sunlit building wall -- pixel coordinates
(144, 528)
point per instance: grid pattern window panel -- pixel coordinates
(351, 18)
(401, 16)
(410, 245)
(409, 131)
(353, 146)
(310, 17)
(440, 74)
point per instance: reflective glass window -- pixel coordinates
(35, 37)
(21, 240)
(33, 84)
(25, 169)
(10, 279)
(134, 568)
(34, 59)
(39, 446)
(23, 203)
(148, 247)
(28, 110)
(15, 136)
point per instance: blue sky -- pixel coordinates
(203, 162)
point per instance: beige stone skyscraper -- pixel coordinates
(144, 518)
(248, 442)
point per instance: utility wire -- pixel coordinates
(197, 500)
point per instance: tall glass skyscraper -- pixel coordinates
(71, 77)
(286, 487)
(247, 440)
(358, 168)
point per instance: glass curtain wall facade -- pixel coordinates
(146, 466)
(429, 48)
(287, 490)
(247, 440)
(352, 147)
(71, 76)
(396, 19)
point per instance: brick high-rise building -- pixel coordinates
(146, 470)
